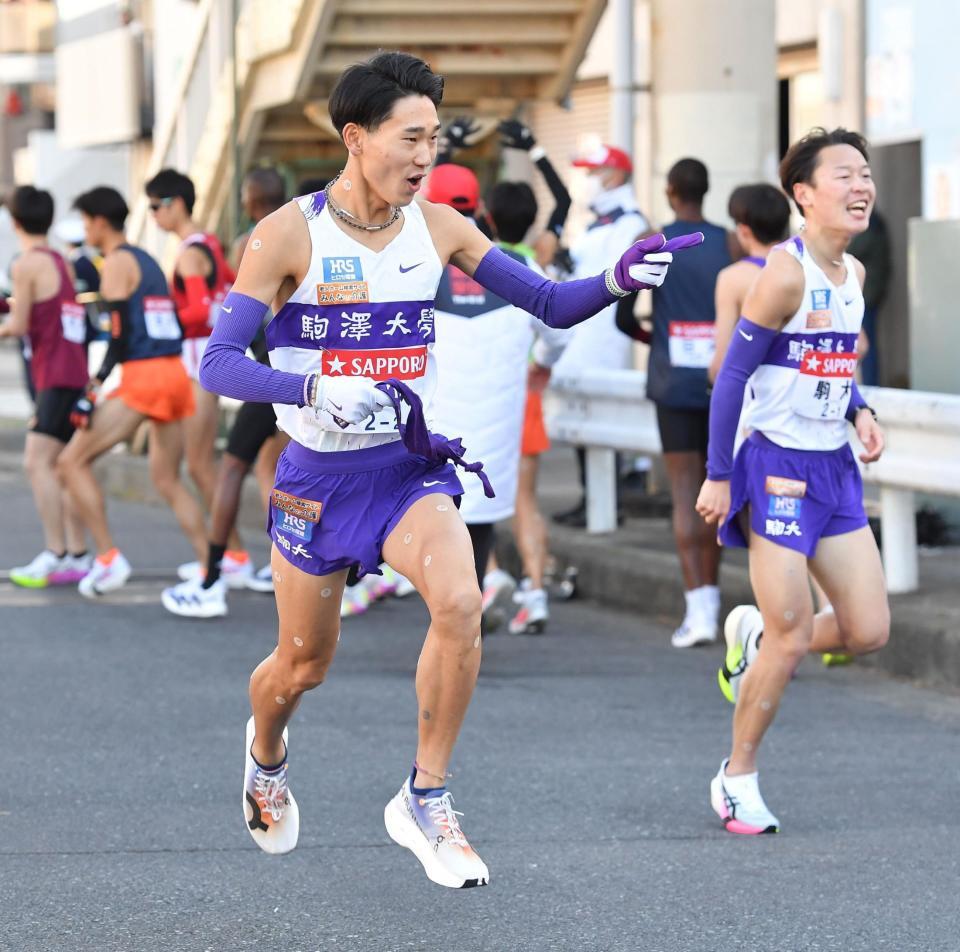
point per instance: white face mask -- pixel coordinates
(592, 189)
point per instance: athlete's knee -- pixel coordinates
(199, 467)
(165, 480)
(791, 644)
(232, 467)
(300, 675)
(458, 607)
(33, 466)
(65, 466)
(868, 635)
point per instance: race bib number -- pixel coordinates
(73, 320)
(822, 388)
(160, 319)
(692, 343)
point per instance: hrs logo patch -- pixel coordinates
(821, 299)
(292, 525)
(342, 269)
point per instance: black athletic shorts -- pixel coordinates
(255, 423)
(53, 412)
(683, 431)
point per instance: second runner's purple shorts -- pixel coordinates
(796, 497)
(329, 511)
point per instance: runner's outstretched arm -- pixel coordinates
(642, 266)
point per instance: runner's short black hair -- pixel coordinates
(513, 208)
(689, 180)
(169, 183)
(366, 92)
(763, 208)
(802, 158)
(103, 202)
(32, 209)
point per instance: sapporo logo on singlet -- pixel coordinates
(404, 363)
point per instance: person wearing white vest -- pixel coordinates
(618, 221)
(483, 345)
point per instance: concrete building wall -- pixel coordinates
(714, 94)
(913, 88)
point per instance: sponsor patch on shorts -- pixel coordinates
(295, 526)
(295, 506)
(785, 507)
(781, 486)
(343, 292)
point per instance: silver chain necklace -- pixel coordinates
(348, 218)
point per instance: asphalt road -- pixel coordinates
(583, 772)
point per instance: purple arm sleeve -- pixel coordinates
(856, 402)
(557, 305)
(225, 367)
(748, 346)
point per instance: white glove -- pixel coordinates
(348, 400)
(653, 269)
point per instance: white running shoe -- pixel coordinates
(237, 573)
(498, 591)
(743, 631)
(103, 578)
(429, 828)
(262, 579)
(693, 632)
(192, 600)
(72, 569)
(737, 801)
(355, 600)
(269, 810)
(40, 572)
(534, 613)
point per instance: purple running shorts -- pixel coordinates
(795, 497)
(329, 511)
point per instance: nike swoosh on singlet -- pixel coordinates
(227, 310)
(745, 336)
(404, 270)
(433, 482)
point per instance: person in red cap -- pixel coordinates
(453, 185)
(617, 222)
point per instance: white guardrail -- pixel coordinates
(606, 411)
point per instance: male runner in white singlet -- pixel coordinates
(352, 273)
(793, 492)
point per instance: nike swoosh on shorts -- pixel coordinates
(745, 336)
(227, 310)
(433, 482)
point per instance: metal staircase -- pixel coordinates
(494, 54)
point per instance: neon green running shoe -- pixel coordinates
(38, 574)
(742, 631)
